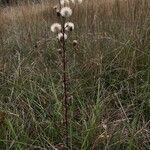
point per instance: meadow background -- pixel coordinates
(109, 77)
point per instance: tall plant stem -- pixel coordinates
(64, 62)
(65, 96)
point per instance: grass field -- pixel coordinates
(108, 77)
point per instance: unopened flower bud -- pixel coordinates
(58, 13)
(59, 51)
(70, 98)
(75, 42)
(55, 7)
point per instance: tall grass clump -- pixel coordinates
(107, 75)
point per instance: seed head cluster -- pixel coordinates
(65, 12)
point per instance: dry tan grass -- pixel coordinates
(23, 12)
(95, 10)
(108, 75)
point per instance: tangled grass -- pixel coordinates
(109, 77)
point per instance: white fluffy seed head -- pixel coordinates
(66, 12)
(69, 26)
(76, 1)
(60, 36)
(58, 12)
(63, 2)
(56, 27)
(79, 1)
